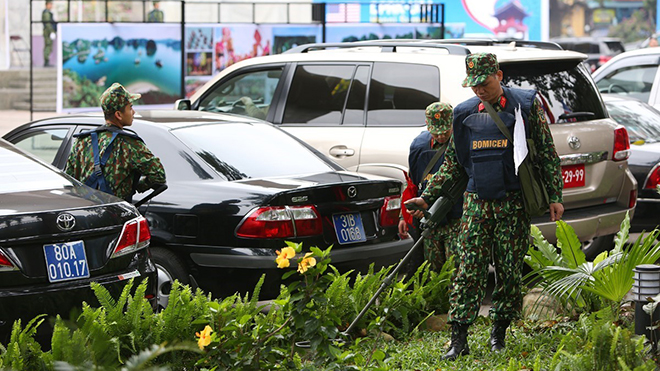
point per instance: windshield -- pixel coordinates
(564, 88)
(22, 174)
(243, 150)
(641, 120)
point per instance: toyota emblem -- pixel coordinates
(574, 142)
(352, 191)
(65, 222)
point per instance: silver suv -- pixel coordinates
(363, 103)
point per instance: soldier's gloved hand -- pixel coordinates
(142, 186)
(419, 202)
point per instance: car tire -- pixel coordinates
(597, 245)
(169, 268)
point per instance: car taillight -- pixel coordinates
(621, 144)
(603, 59)
(5, 263)
(281, 222)
(389, 213)
(654, 178)
(134, 236)
(632, 201)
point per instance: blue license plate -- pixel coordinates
(349, 228)
(66, 261)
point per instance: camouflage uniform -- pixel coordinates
(156, 15)
(494, 230)
(130, 156)
(49, 27)
(441, 243)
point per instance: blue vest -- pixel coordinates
(420, 155)
(482, 149)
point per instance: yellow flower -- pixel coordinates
(306, 262)
(204, 337)
(283, 257)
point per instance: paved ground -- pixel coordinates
(10, 119)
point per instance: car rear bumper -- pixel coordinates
(61, 298)
(588, 222)
(646, 215)
(213, 271)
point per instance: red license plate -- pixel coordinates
(574, 176)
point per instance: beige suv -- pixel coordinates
(362, 104)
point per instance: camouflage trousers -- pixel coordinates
(494, 231)
(441, 244)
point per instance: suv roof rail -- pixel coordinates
(490, 42)
(386, 45)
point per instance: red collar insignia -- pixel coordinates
(501, 102)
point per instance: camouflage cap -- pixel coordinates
(116, 97)
(439, 117)
(478, 67)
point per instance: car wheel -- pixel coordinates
(169, 268)
(597, 245)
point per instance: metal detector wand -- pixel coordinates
(450, 194)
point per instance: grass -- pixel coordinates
(529, 344)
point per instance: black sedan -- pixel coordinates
(643, 124)
(57, 236)
(238, 189)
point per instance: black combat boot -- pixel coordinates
(497, 335)
(459, 344)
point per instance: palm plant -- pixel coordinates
(565, 274)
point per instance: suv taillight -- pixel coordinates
(621, 144)
(632, 201)
(5, 263)
(654, 178)
(281, 222)
(134, 236)
(389, 213)
(603, 59)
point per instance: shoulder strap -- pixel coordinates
(435, 159)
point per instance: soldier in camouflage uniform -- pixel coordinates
(495, 226)
(156, 15)
(130, 157)
(441, 244)
(49, 29)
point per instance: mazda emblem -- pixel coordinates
(352, 191)
(574, 142)
(65, 222)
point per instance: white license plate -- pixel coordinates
(349, 228)
(66, 261)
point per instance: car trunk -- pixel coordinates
(83, 238)
(352, 212)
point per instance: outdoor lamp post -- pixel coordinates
(647, 284)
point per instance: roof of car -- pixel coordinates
(168, 118)
(409, 51)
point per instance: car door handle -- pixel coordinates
(341, 151)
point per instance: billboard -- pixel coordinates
(145, 58)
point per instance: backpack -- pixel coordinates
(97, 179)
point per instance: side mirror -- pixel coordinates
(182, 105)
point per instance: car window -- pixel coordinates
(399, 93)
(564, 87)
(250, 93)
(43, 143)
(641, 120)
(250, 151)
(635, 81)
(318, 94)
(22, 174)
(615, 47)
